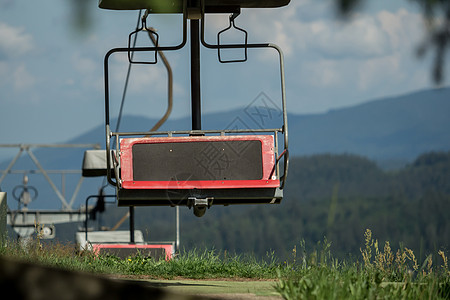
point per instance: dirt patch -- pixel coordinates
(213, 288)
(150, 277)
(220, 289)
(241, 297)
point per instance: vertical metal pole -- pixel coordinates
(63, 185)
(177, 228)
(3, 219)
(132, 241)
(195, 76)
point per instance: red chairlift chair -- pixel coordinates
(196, 168)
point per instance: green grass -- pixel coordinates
(380, 275)
(377, 274)
(194, 264)
(350, 282)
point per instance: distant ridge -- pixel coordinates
(400, 127)
(395, 128)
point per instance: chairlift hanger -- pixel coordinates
(196, 168)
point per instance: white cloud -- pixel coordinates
(311, 10)
(15, 77)
(3, 71)
(22, 78)
(88, 72)
(322, 73)
(145, 80)
(404, 29)
(366, 56)
(340, 62)
(84, 65)
(14, 44)
(376, 71)
(14, 41)
(307, 26)
(362, 38)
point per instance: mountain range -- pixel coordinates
(389, 129)
(395, 128)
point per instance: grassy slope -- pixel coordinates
(381, 273)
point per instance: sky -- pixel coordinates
(51, 71)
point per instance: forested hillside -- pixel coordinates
(337, 196)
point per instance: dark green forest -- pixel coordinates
(332, 196)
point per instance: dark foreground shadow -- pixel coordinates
(23, 280)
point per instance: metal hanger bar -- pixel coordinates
(179, 132)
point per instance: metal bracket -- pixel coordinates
(199, 204)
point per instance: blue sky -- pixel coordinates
(51, 74)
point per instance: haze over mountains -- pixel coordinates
(385, 130)
(400, 127)
(396, 128)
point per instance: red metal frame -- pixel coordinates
(268, 160)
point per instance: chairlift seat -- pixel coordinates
(94, 163)
(197, 168)
(226, 169)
